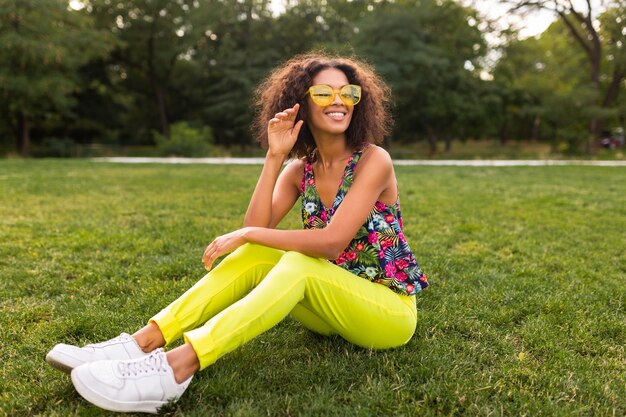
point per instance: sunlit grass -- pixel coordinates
(525, 314)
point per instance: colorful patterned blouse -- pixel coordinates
(379, 252)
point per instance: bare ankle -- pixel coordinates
(149, 337)
(184, 362)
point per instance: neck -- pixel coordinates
(331, 149)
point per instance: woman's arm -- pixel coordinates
(275, 193)
(374, 177)
(269, 202)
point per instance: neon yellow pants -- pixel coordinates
(255, 287)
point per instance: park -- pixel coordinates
(521, 236)
(525, 313)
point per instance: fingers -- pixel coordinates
(208, 265)
(283, 123)
(287, 114)
(209, 256)
(296, 128)
(208, 262)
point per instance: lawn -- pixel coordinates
(525, 314)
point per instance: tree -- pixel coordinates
(429, 52)
(595, 37)
(156, 36)
(543, 88)
(235, 52)
(613, 35)
(42, 46)
(245, 41)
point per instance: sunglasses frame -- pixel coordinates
(335, 91)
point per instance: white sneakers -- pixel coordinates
(118, 376)
(67, 357)
(135, 385)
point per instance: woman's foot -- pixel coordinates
(135, 385)
(67, 357)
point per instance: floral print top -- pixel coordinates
(379, 252)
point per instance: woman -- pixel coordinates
(328, 113)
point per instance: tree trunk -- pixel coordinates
(504, 133)
(161, 102)
(448, 142)
(590, 42)
(613, 90)
(536, 128)
(23, 134)
(432, 141)
(610, 95)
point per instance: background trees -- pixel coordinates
(598, 31)
(42, 49)
(429, 52)
(121, 72)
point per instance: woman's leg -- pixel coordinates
(330, 298)
(231, 280)
(228, 282)
(326, 297)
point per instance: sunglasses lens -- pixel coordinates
(351, 94)
(322, 95)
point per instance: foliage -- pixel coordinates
(596, 30)
(551, 96)
(184, 140)
(613, 35)
(115, 70)
(554, 99)
(229, 69)
(42, 46)
(524, 316)
(434, 77)
(156, 37)
(244, 42)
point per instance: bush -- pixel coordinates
(185, 140)
(54, 148)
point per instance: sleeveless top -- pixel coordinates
(379, 252)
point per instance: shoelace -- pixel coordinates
(154, 362)
(121, 338)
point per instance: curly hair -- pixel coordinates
(288, 84)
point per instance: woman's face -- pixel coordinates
(333, 119)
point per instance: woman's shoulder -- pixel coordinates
(295, 169)
(296, 164)
(375, 156)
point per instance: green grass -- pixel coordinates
(525, 314)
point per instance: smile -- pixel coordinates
(336, 115)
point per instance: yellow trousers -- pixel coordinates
(255, 287)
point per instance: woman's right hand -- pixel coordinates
(282, 133)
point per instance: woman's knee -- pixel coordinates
(311, 321)
(293, 268)
(254, 252)
(298, 260)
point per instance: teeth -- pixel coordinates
(335, 114)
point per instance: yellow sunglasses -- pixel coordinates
(324, 95)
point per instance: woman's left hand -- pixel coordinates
(222, 245)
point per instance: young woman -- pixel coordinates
(349, 272)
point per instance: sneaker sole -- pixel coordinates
(110, 404)
(62, 362)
